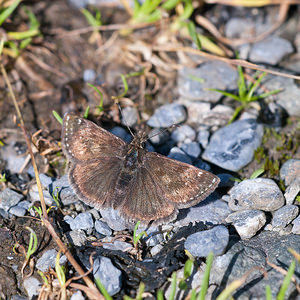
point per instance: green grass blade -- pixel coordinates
(159, 295)
(255, 86)
(236, 113)
(103, 290)
(149, 6)
(286, 281)
(23, 35)
(268, 293)
(188, 268)
(32, 246)
(257, 173)
(86, 112)
(170, 4)
(232, 96)
(140, 292)
(57, 117)
(173, 286)
(264, 95)
(192, 31)
(8, 11)
(1, 45)
(34, 23)
(205, 280)
(90, 18)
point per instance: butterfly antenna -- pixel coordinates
(124, 120)
(162, 131)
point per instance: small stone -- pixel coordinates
(209, 211)
(77, 296)
(199, 163)
(32, 286)
(78, 237)
(168, 115)
(177, 154)
(239, 28)
(34, 195)
(232, 147)
(89, 75)
(25, 204)
(154, 235)
(45, 180)
(263, 51)
(48, 260)
(192, 149)
(259, 193)
(182, 133)
(158, 136)
(214, 74)
(156, 249)
(247, 222)
(114, 220)
(290, 171)
(215, 240)
(81, 221)
(129, 116)
(9, 198)
(203, 137)
(17, 211)
(292, 191)
(119, 132)
(108, 274)
(102, 228)
(117, 245)
(296, 226)
(284, 216)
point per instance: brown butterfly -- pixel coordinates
(106, 172)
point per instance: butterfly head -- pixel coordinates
(139, 139)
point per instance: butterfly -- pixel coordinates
(106, 172)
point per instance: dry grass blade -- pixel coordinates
(251, 3)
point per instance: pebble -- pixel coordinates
(232, 147)
(32, 287)
(247, 222)
(201, 113)
(199, 163)
(77, 296)
(81, 221)
(291, 192)
(239, 28)
(200, 244)
(9, 198)
(288, 97)
(129, 116)
(284, 216)
(259, 193)
(114, 220)
(102, 228)
(209, 211)
(296, 226)
(108, 274)
(182, 133)
(168, 115)
(117, 245)
(158, 136)
(17, 211)
(192, 149)
(214, 74)
(78, 237)
(290, 171)
(156, 249)
(177, 154)
(154, 235)
(263, 51)
(203, 137)
(34, 195)
(119, 132)
(89, 75)
(48, 260)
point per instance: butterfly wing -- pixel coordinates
(162, 185)
(96, 157)
(84, 141)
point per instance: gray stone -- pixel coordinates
(177, 154)
(259, 193)
(114, 220)
(45, 180)
(119, 132)
(108, 274)
(245, 255)
(154, 235)
(17, 211)
(9, 198)
(77, 237)
(201, 113)
(239, 28)
(48, 260)
(117, 245)
(201, 243)
(158, 136)
(77, 296)
(129, 116)
(290, 171)
(203, 137)
(168, 115)
(210, 211)
(284, 216)
(232, 147)
(214, 74)
(81, 221)
(182, 133)
(89, 75)
(263, 51)
(288, 97)
(25, 204)
(34, 195)
(247, 222)
(292, 191)
(192, 149)
(103, 228)
(32, 286)
(296, 226)
(156, 249)
(199, 163)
